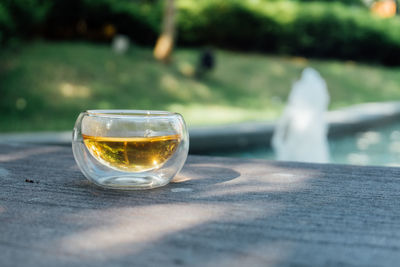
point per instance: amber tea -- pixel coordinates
(132, 154)
(130, 149)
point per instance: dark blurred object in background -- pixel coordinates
(206, 62)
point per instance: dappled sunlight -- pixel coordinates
(279, 179)
(128, 230)
(186, 69)
(203, 213)
(186, 91)
(70, 90)
(250, 189)
(118, 232)
(230, 209)
(274, 183)
(134, 226)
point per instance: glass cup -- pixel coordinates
(130, 149)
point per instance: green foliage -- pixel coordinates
(27, 15)
(139, 19)
(310, 29)
(147, 12)
(336, 29)
(61, 18)
(6, 23)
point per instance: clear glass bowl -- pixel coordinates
(130, 149)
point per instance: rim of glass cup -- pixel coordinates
(130, 113)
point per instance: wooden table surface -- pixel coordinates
(218, 212)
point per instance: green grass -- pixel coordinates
(44, 85)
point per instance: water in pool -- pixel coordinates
(375, 146)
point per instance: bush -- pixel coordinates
(69, 19)
(26, 15)
(138, 19)
(307, 29)
(6, 23)
(340, 29)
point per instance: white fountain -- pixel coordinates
(301, 133)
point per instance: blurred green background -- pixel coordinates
(56, 58)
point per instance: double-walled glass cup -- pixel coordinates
(130, 149)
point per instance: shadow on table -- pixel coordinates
(244, 213)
